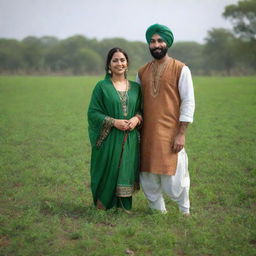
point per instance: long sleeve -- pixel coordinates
(186, 91)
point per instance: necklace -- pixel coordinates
(123, 96)
(157, 71)
(119, 83)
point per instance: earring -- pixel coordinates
(109, 71)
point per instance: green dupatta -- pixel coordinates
(115, 154)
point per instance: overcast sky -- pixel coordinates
(189, 19)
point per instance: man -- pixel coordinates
(168, 108)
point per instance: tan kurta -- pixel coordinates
(161, 110)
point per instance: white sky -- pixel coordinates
(189, 19)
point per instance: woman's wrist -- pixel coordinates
(114, 122)
(139, 118)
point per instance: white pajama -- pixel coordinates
(176, 186)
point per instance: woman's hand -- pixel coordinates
(133, 122)
(122, 125)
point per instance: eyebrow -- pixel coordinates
(158, 40)
(118, 59)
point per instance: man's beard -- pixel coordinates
(159, 54)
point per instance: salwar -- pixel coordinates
(176, 186)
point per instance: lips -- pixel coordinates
(120, 69)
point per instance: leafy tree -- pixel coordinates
(11, 56)
(190, 53)
(32, 53)
(243, 17)
(220, 50)
(89, 61)
(48, 41)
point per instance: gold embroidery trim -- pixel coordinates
(126, 191)
(124, 101)
(106, 127)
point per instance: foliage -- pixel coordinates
(11, 56)
(224, 52)
(80, 55)
(220, 50)
(243, 17)
(46, 203)
(190, 53)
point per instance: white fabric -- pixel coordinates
(176, 187)
(186, 92)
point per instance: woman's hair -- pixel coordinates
(110, 55)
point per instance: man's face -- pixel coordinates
(158, 48)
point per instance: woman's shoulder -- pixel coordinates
(102, 83)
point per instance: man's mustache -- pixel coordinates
(154, 49)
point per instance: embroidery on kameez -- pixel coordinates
(123, 98)
(156, 75)
(125, 191)
(106, 127)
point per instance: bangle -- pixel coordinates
(140, 118)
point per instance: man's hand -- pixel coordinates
(179, 139)
(178, 143)
(122, 125)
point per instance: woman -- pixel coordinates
(113, 115)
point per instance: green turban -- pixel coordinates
(163, 31)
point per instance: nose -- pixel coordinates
(119, 62)
(156, 44)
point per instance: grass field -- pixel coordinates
(46, 204)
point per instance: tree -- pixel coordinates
(11, 56)
(243, 17)
(48, 41)
(190, 53)
(32, 53)
(88, 61)
(220, 50)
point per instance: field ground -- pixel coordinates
(46, 205)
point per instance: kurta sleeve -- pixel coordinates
(186, 91)
(99, 124)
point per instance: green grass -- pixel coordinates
(46, 204)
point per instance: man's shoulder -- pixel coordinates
(144, 67)
(178, 63)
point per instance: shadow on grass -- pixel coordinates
(89, 213)
(68, 209)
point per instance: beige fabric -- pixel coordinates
(161, 109)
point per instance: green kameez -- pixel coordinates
(115, 153)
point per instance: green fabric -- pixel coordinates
(124, 202)
(163, 31)
(107, 171)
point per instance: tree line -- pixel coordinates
(224, 52)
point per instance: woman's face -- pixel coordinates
(118, 64)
